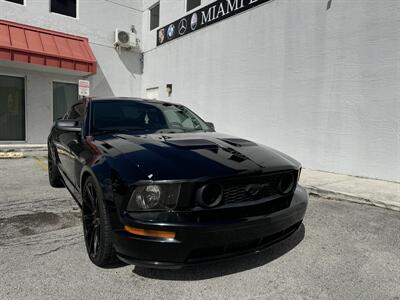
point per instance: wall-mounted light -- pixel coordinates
(169, 89)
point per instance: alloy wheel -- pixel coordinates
(91, 220)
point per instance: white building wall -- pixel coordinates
(322, 85)
(118, 73)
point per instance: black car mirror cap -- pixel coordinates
(68, 125)
(211, 125)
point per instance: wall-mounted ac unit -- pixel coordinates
(125, 39)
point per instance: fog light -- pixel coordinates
(210, 195)
(286, 184)
(150, 233)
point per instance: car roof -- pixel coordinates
(131, 99)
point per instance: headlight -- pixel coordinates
(154, 197)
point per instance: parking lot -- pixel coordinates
(343, 251)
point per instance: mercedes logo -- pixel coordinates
(182, 26)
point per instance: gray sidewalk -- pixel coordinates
(349, 188)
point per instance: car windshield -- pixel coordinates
(125, 115)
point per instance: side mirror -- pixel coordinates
(211, 125)
(68, 125)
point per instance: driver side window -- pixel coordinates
(75, 113)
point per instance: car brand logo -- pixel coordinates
(256, 189)
(193, 21)
(171, 31)
(182, 26)
(161, 35)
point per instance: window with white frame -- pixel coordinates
(64, 7)
(154, 16)
(64, 96)
(191, 4)
(16, 1)
(12, 108)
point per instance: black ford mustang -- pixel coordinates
(158, 187)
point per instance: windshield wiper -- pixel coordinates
(170, 130)
(105, 131)
(118, 130)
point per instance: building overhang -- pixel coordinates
(46, 48)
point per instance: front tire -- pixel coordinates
(96, 226)
(55, 179)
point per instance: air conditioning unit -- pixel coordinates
(125, 39)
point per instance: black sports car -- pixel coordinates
(158, 187)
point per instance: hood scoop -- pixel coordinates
(107, 145)
(239, 142)
(192, 144)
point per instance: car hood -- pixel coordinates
(183, 156)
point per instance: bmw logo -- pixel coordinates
(171, 31)
(193, 21)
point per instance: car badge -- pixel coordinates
(256, 189)
(161, 35)
(193, 21)
(182, 26)
(171, 31)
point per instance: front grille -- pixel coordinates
(235, 194)
(237, 248)
(252, 187)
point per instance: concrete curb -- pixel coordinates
(339, 196)
(11, 155)
(23, 147)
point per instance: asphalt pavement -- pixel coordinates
(343, 251)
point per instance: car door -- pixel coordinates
(69, 145)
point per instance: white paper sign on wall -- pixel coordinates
(84, 87)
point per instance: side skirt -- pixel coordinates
(71, 188)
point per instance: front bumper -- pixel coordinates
(201, 242)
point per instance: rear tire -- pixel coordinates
(97, 227)
(55, 178)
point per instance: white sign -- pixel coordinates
(84, 87)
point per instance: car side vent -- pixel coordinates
(192, 144)
(239, 142)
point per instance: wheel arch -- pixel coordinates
(85, 174)
(105, 187)
(99, 175)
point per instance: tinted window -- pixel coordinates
(64, 7)
(155, 16)
(76, 112)
(142, 116)
(178, 118)
(190, 4)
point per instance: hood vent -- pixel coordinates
(192, 144)
(239, 142)
(107, 145)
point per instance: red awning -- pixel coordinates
(33, 45)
